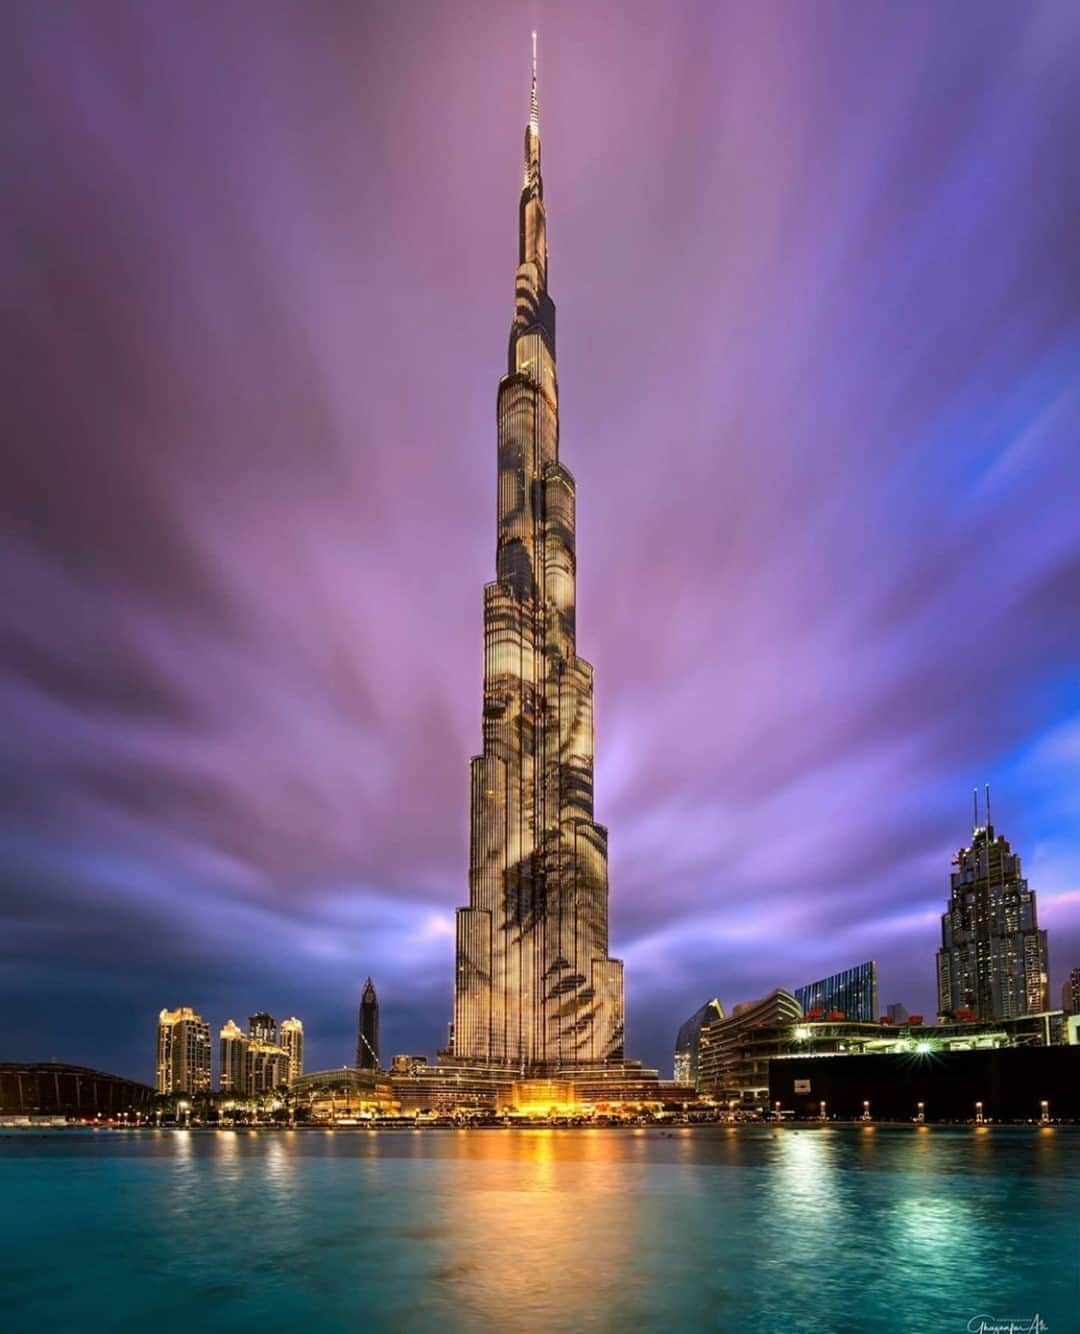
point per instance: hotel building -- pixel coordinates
(183, 1052)
(292, 1043)
(232, 1056)
(266, 1067)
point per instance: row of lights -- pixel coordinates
(920, 1112)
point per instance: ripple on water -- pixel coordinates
(721, 1228)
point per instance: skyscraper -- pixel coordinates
(534, 984)
(183, 1052)
(292, 1040)
(263, 1028)
(993, 957)
(367, 1029)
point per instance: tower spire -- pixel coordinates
(534, 106)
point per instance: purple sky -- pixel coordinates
(819, 322)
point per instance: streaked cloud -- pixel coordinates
(818, 346)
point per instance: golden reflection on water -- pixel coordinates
(544, 1213)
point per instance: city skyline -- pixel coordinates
(242, 665)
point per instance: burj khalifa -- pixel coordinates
(535, 987)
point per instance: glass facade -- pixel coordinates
(688, 1041)
(534, 984)
(852, 994)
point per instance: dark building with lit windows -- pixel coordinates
(993, 957)
(367, 1034)
(263, 1028)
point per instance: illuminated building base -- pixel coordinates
(457, 1087)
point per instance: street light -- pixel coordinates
(1045, 1107)
(920, 1113)
(821, 1110)
(866, 1109)
(978, 1113)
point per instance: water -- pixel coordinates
(789, 1231)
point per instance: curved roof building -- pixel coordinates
(47, 1088)
(732, 1062)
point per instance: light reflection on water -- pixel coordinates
(721, 1227)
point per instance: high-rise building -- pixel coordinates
(232, 1062)
(1070, 993)
(292, 1041)
(263, 1028)
(535, 985)
(897, 1013)
(183, 1052)
(367, 1029)
(993, 957)
(852, 994)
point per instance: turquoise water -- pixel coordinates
(749, 1229)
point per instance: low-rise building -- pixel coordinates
(734, 1052)
(1029, 1082)
(737, 1053)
